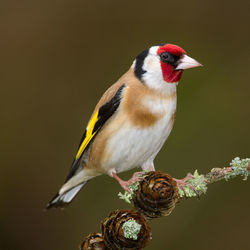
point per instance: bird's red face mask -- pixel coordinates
(173, 61)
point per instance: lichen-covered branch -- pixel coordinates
(197, 184)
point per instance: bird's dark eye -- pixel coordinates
(164, 56)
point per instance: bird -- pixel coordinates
(131, 121)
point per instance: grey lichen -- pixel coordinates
(194, 186)
(127, 196)
(238, 167)
(131, 229)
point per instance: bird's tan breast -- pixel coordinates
(144, 107)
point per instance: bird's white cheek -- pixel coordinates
(152, 66)
(153, 76)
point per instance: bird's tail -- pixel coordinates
(61, 200)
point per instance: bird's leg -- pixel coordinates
(125, 184)
(148, 166)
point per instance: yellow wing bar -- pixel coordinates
(89, 134)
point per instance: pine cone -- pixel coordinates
(125, 229)
(93, 241)
(156, 195)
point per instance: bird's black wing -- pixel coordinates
(95, 124)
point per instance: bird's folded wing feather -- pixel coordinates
(98, 119)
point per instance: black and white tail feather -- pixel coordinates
(71, 187)
(62, 200)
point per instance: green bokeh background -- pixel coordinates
(58, 57)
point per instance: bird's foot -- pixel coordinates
(125, 184)
(183, 183)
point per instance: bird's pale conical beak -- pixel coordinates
(187, 62)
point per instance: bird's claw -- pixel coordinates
(125, 184)
(182, 184)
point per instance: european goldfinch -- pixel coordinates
(131, 121)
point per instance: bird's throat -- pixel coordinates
(170, 75)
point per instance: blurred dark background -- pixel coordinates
(58, 57)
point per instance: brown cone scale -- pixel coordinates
(113, 233)
(156, 195)
(93, 241)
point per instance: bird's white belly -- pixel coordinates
(131, 147)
